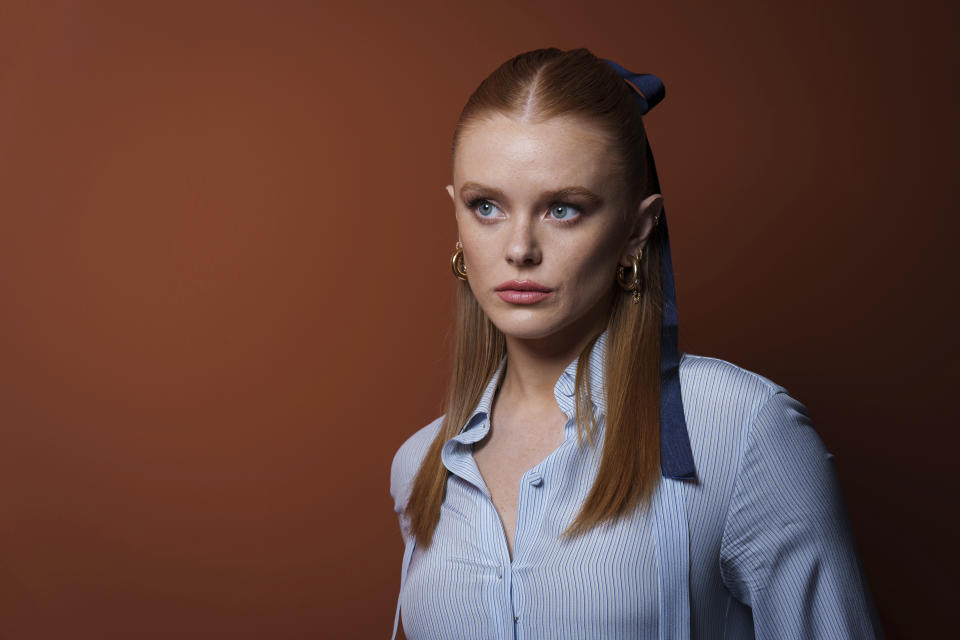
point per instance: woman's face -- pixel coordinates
(543, 223)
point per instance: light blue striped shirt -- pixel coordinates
(759, 546)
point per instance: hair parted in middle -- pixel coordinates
(536, 86)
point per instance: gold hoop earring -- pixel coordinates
(456, 263)
(631, 283)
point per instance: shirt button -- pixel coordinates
(499, 573)
(536, 480)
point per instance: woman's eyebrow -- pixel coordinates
(562, 194)
(476, 186)
(558, 194)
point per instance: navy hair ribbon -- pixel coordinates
(676, 457)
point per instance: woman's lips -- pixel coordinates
(523, 292)
(523, 297)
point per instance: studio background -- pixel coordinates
(225, 286)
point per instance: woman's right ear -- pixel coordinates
(453, 198)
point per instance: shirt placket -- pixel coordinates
(509, 594)
(531, 502)
(458, 458)
(508, 598)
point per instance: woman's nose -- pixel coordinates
(523, 247)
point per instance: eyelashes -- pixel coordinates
(567, 212)
(475, 204)
(562, 213)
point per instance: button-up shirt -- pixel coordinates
(757, 546)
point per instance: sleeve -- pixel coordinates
(787, 549)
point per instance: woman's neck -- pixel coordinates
(534, 365)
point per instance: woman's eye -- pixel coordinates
(484, 208)
(563, 212)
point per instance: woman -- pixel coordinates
(571, 490)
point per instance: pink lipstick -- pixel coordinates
(523, 291)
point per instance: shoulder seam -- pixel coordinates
(769, 384)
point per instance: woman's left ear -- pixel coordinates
(645, 219)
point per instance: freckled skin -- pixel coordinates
(522, 240)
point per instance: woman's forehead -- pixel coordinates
(502, 150)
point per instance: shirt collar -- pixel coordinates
(564, 389)
(563, 392)
(674, 444)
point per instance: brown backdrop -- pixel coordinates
(224, 281)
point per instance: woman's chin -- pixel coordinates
(528, 324)
(525, 327)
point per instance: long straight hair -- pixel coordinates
(538, 85)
